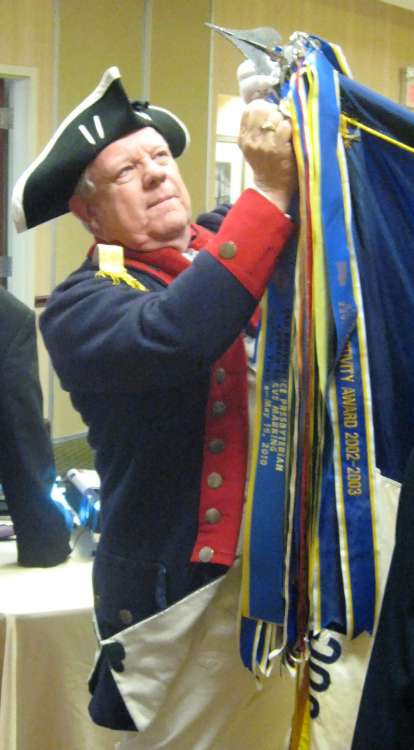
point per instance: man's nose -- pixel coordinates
(153, 173)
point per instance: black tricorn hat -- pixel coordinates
(44, 189)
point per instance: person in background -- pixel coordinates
(386, 713)
(27, 469)
(157, 368)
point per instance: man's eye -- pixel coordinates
(125, 173)
(162, 156)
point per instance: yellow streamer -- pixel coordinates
(377, 133)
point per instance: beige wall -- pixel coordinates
(26, 40)
(376, 38)
(179, 80)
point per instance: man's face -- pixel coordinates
(140, 200)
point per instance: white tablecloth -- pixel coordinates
(47, 648)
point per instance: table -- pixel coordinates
(47, 648)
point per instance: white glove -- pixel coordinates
(253, 85)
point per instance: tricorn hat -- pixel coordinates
(44, 189)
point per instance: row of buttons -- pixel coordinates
(216, 445)
(214, 481)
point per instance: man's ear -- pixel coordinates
(83, 210)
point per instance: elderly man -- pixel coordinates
(147, 337)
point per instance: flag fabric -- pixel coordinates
(389, 683)
(335, 382)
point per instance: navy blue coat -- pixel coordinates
(386, 714)
(137, 366)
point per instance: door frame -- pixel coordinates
(22, 145)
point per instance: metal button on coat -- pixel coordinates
(214, 480)
(206, 554)
(227, 250)
(219, 408)
(125, 616)
(213, 515)
(220, 375)
(216, 445)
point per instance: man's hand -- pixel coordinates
(265, 140)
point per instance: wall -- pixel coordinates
(376, 38)
(26, 40)
(179, 79)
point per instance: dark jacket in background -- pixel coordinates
(386, 715)
(27, 469)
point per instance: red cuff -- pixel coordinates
(250, 239)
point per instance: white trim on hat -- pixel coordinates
(177, 119)
(17, 211)
(146, 116)
(98, 126)
(87, 135)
